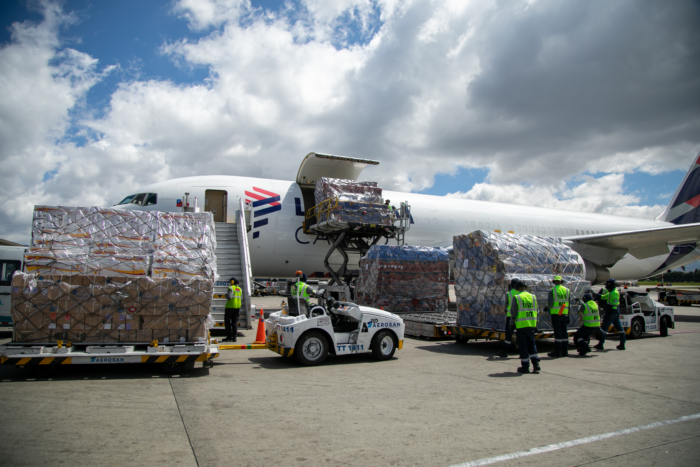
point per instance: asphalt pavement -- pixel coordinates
(437, 403)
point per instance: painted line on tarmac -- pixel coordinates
(575, 442)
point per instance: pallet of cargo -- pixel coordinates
(172, 356)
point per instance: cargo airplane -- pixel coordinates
(622, 247)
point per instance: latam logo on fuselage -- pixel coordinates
(267, 201)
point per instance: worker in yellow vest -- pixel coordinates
(611, 297)
(234, 294)
(558, 306)
(508, 327)
(523, 310)
(591, 324)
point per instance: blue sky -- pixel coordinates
(571, 105)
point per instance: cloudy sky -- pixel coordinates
(590, 106)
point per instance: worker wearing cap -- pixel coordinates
(558, 302)
(611, 297)
(523, 309)
(512, 292)
(233, 308)
(390, 208)
(591, 324)
(300, 288)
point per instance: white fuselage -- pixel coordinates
(278, 246)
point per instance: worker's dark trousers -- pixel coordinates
(231, 322)
(527, 347)
(509, 334)
(561, 339)
(582, 337)
(612, 317)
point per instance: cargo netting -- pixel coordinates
(111, 242)
(485, 263)
(350, 201)
(404, 279)
(107, 275)
(96, 309)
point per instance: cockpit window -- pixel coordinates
(151, 199)
(138, 199)
(126, 200)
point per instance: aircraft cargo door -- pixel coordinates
(215, 201)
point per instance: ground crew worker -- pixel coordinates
(591, 324)
(558, 303)
(300, 288)
(512, 292)
(233, 308)
(390, 208)
(523, 309)
(611, 297)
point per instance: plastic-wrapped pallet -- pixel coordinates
(485, 263)
(96, 309)
(357, 202)
(404, 278)
(121, 243)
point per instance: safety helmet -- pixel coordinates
(587, 297)
(520, 284)
(610, 281)
(558, 278)
(513, 283)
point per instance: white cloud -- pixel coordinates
(604, 195)
(536, 93)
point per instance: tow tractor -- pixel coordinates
(310, 333)
(640, 314)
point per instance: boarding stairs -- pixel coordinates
(233, 260)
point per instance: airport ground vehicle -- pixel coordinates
(45, 358)
(677, 295)
(340, 328)
(11, 258)
(640, 314)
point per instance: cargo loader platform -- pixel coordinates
(172, 356)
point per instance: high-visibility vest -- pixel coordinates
(591, 316)
(300, 290)
(235, 300)
(511, 293)
(561, 297)
(526, 316)
(612, 297)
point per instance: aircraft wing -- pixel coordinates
(606, 249)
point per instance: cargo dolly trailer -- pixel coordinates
(173, 357)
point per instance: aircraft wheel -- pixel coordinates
(637, 328)
(664, 327)
(383, 345)
(311, 349)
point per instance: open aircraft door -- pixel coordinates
(315, 166)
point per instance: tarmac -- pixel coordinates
(436, 403)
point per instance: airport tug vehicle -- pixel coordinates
(640, 314)
(310, 333)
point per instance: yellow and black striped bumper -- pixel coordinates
(21, 361)
(271, 343)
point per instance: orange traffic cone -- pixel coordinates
(260, 337)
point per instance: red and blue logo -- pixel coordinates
(267, 201)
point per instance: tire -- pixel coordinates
(174, 368)
(673, 301)
(637, 329)
(663, 327)
(311, 348)
(384, 345)
(42, 370)
(460, 339)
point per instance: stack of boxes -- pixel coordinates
(357, 202)
(404, 279)
(485, 263)
(104, 275)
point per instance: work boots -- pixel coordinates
(555, 354)
(536, 366)
(524, 369)
(503, 353)
(599, 346)
(565, 352)
(621, 347)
